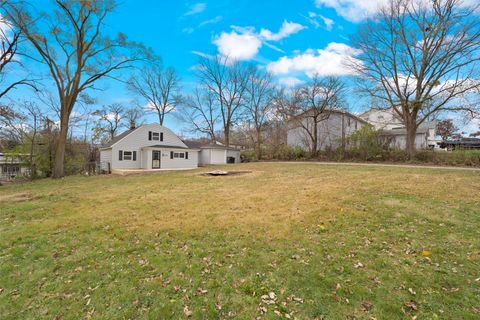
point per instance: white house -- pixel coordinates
(12, 166)
(147, 147)
(152, 146)
(332, 131)
(393, 129)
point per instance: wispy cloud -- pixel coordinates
(204, 23)
(214, 20)
(318, 20)
(196, 9)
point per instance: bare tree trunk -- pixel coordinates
(315, 137)
(33, 167)
(226, 131)
(160, 118)
(58, 168)
(410, 141)
(259, 143)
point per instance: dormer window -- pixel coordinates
(155, 136)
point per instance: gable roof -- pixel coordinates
(200, 145)
(117, 138)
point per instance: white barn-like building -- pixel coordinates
(154, 147)
(331, 131)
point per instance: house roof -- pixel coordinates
(159, 146)
(117, 138)
(200, 145)
(348, 114)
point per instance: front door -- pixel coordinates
(156, 155)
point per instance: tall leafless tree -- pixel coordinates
(159, 87)
(312, 103)
(69, 40)
(420, 58)
(201, 113)
(134, 117)
(227, 80)
(259, 96)
(9, 55)
(110, 119)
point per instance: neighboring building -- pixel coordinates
(215, 153)
(393, 129)
(153, 146)
(332, 132)
(11, 166)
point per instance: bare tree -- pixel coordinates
(259, 97)
(70, 42)
(311, 104)
(446, 129)
(159, 87)
(420, 58)
(134, 117)
(9, 41)
(110, 119)
(200, 111)
(227, 81)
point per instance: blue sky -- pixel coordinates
(269, 33)
(293, 39)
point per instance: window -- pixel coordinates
(179, 155)
(127, 155)
(156, 136)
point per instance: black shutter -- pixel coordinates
(171, 154)
(149, 135)
(120, 155)
(186, 155)
(161, 136)
(134, 155)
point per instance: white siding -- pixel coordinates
(235, 154)
(137, 140)
(204, 157)
(218, 156)
(105, 159)
(330, 131)
(178, 163)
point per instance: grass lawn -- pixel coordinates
(286, 241)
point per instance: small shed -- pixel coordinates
(214, 153)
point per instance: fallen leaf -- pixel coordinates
(187, 311)
(412, 305)
(425, 253)
(367, 306)
(476, 309)
(359, 265)
(201, 291)
(412, 291)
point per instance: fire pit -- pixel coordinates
(219, 173)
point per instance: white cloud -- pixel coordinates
(214, 20)
(288, 28)
(238, 46)
(196, 9)
(329, 61)
(313, 18)
(243, 43)
(353, 10)
(358, 10)
(289, 82)
(204, 23)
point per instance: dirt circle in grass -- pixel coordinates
(221, 173)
